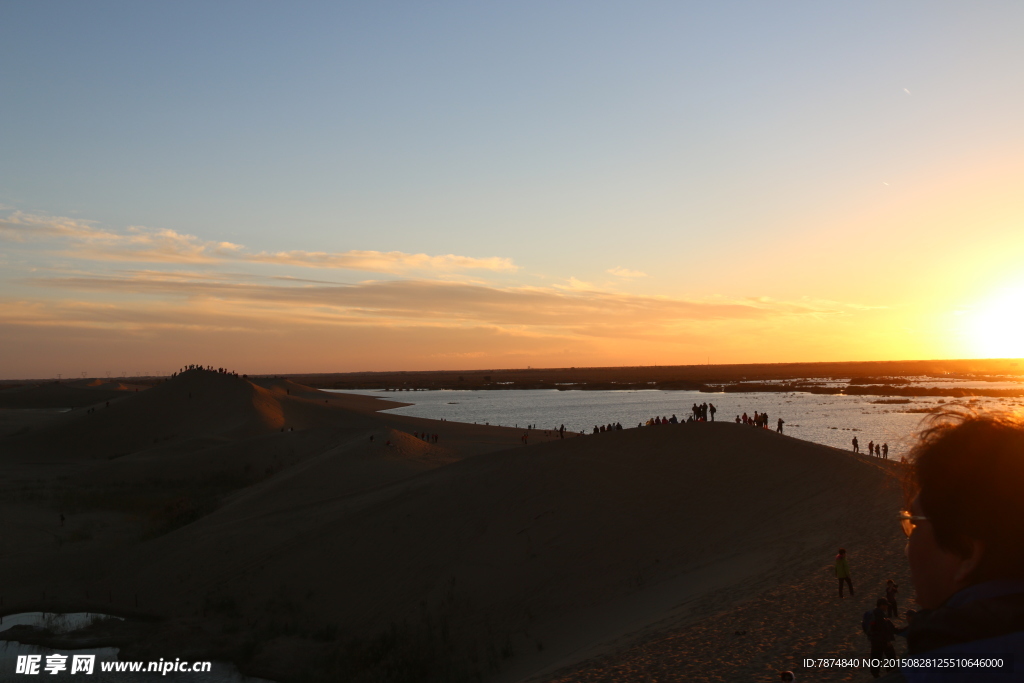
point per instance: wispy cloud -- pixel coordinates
(395, 262)
(618, 271)
(21, 227)
(84, 240)
(579, 312)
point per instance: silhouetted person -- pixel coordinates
(878, 451)
(882, 634)
(856, 446)
(891, 589)
(871, 447)
(781, 422)
(885, 451)
(843, 572)
(713, 410)
(561, 432)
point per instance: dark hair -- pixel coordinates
(967, 472)
(842, 551)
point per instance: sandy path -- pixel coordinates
(794, 617)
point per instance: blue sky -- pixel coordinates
(724, 150)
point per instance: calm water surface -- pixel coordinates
(832, 420)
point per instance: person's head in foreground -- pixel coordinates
(787, 676)
(965, 528)
(966, 505)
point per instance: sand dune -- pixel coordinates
(190, 410)
(59, 395)
(347, 556)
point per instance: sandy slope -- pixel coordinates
(197, 405)
(61, 395)
(333, 554)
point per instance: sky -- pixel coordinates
(333, 187)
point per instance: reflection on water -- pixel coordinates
(830, 419)
(220, 672)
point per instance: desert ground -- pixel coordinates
(307, 536)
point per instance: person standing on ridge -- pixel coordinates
(856, 446)
(843, 572)
(713, 410)
(781, 422)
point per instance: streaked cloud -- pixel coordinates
(83, 240)
(394, 262)
(19, 226)
(574, 285)
(618, 271)
(571, 311)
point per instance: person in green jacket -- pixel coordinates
(843, 571)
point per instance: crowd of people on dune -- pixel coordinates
(705, 412)
(759, 420)
(205, 368)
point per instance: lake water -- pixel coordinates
(830, 419)
(220, 672)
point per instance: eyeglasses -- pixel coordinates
(907, 521)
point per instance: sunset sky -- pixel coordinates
(326, 187)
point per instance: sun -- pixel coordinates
(998, 325)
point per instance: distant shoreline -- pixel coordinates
(752, 387)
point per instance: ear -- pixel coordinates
(969, 564)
